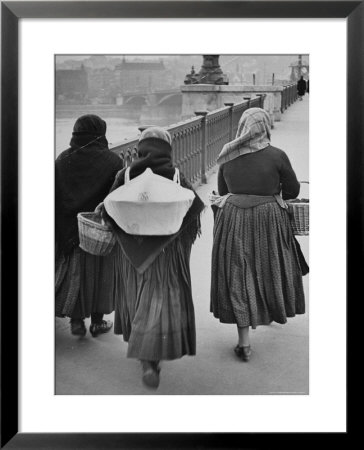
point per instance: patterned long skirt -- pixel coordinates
(256, 276)
(154, 310)
(85, 284)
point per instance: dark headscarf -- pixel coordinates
(155, 154)
(89, 129)
(83, 176)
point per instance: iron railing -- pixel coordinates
(197, 142)
(289, 95)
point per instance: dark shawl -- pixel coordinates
(141, 251)
(301, 87)
(83, 176)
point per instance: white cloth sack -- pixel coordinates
(149, 204)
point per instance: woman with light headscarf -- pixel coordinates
(257, 265)
(154, 311)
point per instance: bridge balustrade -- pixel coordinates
(197, 142)
(187, 147)
(284, 99)
(237, 111)
(218, 134)
(289, 96)
(127, 151)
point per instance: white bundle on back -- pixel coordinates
(149, 204)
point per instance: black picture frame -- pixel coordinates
(11, 12)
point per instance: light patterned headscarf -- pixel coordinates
(156, 132)
(253, 135)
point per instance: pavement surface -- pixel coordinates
(280, 359)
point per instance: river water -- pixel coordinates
(118, 130)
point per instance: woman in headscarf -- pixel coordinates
(84, 174)
(154, 311)
(257, 264)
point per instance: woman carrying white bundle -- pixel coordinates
(154, 311)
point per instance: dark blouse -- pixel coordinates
(265, 172)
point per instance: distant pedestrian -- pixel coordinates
(84, 174)
(301, 87)
(257, 265)
(154, 311)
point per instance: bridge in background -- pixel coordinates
(156, 98)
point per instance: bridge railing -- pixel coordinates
(289, 95)
(217, 134)
(187, 147)
(197, 142)
(237, 111)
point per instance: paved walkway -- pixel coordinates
(279, 363)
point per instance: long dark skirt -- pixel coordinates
(85, 284)
(256, 276)
(154, 311)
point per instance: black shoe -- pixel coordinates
(151, 372)
(78, 327)
(101, 327)
(243, 353)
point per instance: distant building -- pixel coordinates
(138, 76)
(103, 84)
(72, 85)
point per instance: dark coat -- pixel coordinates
(301, 87)
(84, 174)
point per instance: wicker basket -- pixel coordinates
(299, 211)
(95, 236)
(300, 217)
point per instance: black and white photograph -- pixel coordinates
(182, 224)
(181, 221)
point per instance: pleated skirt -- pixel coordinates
(256, 276)
(154, 310)
(85, 284)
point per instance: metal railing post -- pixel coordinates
(203, 144)
(283, 99)
(230, 105)
(248, 100)
(261, 100)
(144, 127)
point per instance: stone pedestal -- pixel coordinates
(273, 99)
(210, 72)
